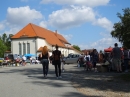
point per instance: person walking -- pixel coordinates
(24, 60)
(56, 54)
(44, 60)
(117, 54)
(94, 59)
(126, 58)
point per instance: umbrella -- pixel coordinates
(29, 55)
(110, 49)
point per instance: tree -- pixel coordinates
(76, 47)
(5, 43)
(3, 48)
(7, 40)
(122, 28)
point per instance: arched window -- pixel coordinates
(28, 48)
(20, 49)
(24, 48)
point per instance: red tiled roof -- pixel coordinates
(41, 48)
(61, 38)
(32, 30)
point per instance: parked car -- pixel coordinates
(12, 57)
(71, 59)
(1, 60)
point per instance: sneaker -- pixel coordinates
(46, 76)
(57, 78)
(63, 70)
(60, 76)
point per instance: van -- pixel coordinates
(12, 57)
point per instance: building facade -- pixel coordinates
(32, 38)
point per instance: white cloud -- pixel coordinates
(68, 37)
(101, 44)
(74, 16)
(13, 30)
(22, 15)
(2, 26)
(105, 23)
(43, 24)
(91, 3)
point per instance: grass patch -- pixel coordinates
(124, 77)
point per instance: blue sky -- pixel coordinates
(86, 23)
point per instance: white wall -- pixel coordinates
(35, 44)
(41, 42)
(15, 45)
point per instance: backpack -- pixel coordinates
(56, 55)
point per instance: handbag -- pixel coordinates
(53, 62)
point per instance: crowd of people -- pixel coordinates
(89, 60)
(117, 59)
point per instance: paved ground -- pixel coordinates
(28, 81)
(101, 84)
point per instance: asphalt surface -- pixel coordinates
(28, 81)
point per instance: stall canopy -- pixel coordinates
(109, 49)
(29, 55)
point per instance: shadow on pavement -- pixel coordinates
(75, 75)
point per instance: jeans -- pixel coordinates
(126, 63)
(57, 65)
(45, 63)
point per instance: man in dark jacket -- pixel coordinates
(117, 54)
(57, 61)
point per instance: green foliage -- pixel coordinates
(76, 47)
(5, 44)
(122, 28)
(3, 48)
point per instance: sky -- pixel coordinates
(85, 23)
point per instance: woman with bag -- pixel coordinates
(45, 61)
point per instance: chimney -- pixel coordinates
(56, 32)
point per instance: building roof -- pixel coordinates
(87, 50)
(32, 30)
(76, 50)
